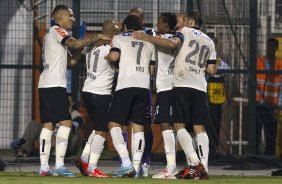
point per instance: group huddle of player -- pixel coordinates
(178, 54)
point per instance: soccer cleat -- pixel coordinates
(45, 173)
(144, 171)
(124, 172)
(138, 174)
(62, 171)
(193, 172)
(165, 175)
(82, 166)
(98, 174)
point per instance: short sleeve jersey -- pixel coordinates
(165, 66)
(54, 56)
(135, 57)
(100, 73)
(191, 61)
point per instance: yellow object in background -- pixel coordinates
(216, 92)
(279, 51)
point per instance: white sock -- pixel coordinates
(203, 148)
(195, 147)
(61, 144)
(120, 146)
(186, 143)
(138, 149)
(97, 147)
(86, 151)
(169, 146)
(45, 147)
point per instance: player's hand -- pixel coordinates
(117, 25)
(139, 35)
(107, 57)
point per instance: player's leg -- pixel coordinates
(46, 102)
(99, 115)
(200, 120)
(149, 138)
(82, 163)
(97, 146)
(45, 148)
(62, 115)
(163, 116)
(138, 144)
(146, 158)
(119, 114)
(86, 150)
(138, 116)
(183, 108)
(62, 138)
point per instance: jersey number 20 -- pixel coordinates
(202, 56)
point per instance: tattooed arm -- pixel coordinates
(80, 43)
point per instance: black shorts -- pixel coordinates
(53, 104)
(164, 110)
(98, 109)
(190, 106)
(130, 105)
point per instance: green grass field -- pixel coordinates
(32, 178)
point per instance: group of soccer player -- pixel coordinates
(180, 54)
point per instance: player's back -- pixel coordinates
(100, 72)
(191, 60)
(135, 57)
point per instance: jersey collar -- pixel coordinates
(128, 33)
(194, 27)
(57, 25)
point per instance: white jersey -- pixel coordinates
(165, 66)
(191, 61)
(54, 55)
(100, 73)
(135, 57)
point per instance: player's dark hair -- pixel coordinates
(273, 41)
(197, 17)
(59, 8)
(132, 22)
(170, 19)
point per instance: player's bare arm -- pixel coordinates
(80, 43)
(113, 56)
(163, 42)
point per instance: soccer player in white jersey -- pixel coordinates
(195, 58)
(52, 89)
(131, 97)
(144, 171)
(96, 95)
(163, 113)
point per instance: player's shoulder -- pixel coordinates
(102, 47)
(204, 38)
(59, 30)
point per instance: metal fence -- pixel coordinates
(241, 28)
